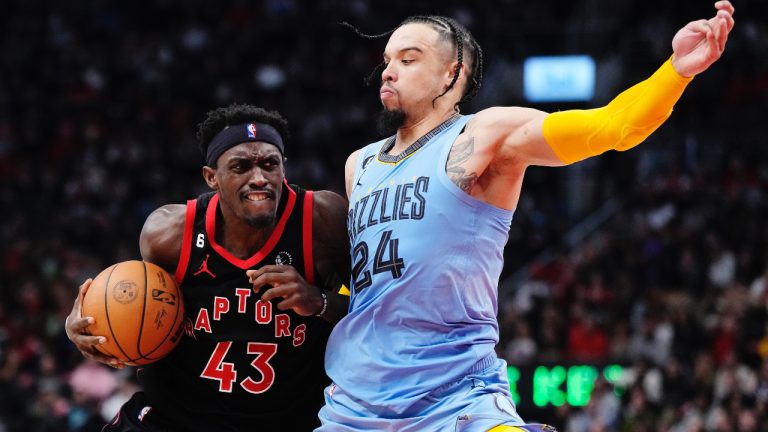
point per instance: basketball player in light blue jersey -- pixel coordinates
(429, 213)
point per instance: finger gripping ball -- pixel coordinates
(138, 308)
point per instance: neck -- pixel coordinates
(239, 238)
(413, 130)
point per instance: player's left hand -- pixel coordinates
(700, 43)
(287, 284)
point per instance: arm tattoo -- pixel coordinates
(460, 153)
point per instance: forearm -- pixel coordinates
(625, 122)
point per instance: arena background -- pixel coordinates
(635, 292)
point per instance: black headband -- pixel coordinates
(241, 133)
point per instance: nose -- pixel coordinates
(388, 74)
(257, 179)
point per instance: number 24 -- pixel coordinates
(394, 264)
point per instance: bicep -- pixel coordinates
(529, 142)
(161, 236)
(519, 135)
(331, 242)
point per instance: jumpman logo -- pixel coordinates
(366, 161)
(204, 267)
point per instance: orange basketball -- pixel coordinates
(138, 307)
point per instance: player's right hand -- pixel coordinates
(700, 43)
(287, 284)
(76, 325)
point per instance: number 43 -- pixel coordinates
(224, 372)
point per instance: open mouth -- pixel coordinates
(257, 196)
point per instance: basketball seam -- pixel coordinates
(104, 351)
(109, 321)
(143, 313)
(173, 326)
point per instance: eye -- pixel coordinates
(269, 164)
(407, 61)
(239, 167)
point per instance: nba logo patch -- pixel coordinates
(251, 130)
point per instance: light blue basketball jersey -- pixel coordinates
(426, 263)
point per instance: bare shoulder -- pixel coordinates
(349, 170)
(352, 159)
(487, 159)
(481, 143)
(161, 236)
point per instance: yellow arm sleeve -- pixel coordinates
(625, 122)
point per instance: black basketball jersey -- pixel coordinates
(243, 364)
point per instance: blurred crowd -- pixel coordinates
(674, 286)
(99, 103)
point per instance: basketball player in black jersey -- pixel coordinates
(260, 264)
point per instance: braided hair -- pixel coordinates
(467, 51)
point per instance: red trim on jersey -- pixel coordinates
(186, 241)
(210, 227)
(309, 264)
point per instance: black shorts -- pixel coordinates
(137, 415)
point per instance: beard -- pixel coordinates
(389, 121)
(261, 221)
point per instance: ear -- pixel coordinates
(209, 175)
(450, 71)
